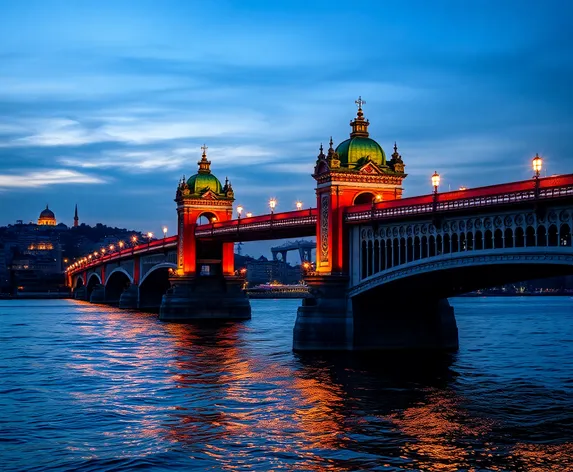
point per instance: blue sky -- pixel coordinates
(106, 103)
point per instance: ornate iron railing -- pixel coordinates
(518, 192)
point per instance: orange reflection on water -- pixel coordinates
(435, 426)
(544, 457)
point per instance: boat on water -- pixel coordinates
(277, 290)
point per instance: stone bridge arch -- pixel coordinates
(154, 284)
(117, 281)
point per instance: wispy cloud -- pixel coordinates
(48, 177)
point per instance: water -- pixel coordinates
(91, 388)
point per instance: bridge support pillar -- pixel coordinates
(98, 294)
(324, 321)
(393, 322)
(205, 298)
(130, 297)
(80, 293)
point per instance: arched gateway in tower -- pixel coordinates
(204, 286)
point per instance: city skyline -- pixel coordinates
(107, 105)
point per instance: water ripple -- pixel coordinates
(91, 388)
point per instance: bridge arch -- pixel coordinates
(117, 281)
(364, 197)
(207, 217)
(93, 280)
(79, 282)
(154, 285)
(517, 236)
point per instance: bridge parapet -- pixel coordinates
(525, 192)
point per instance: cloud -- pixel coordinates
(48, 177)
(125, 129)
(155, 160)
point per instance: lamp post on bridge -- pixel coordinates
(537, 164)
(164, 234)
(149, 236)
(435, 184)
(299, 205)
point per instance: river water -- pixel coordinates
(90, 388)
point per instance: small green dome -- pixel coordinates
(200, 182)
(354, 151)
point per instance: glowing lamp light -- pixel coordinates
(90, 257)
(299, 205)
(164, 231)
(378, 198)
(111, 247)
(95, 253)
(102, 250)
(537, 163)
(239, 210)
(463, 188)
(249, 214)
(121, 244)
(150, 235)
(272, 204)
(134, 239)
(213, 219)
(436, 181)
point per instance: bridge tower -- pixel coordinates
(356, 172)
(205, 285)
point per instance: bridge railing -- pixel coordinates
(494, 195)
(125, 253)
(289, 219)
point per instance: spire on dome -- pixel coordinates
(204, 164)
(359, 125)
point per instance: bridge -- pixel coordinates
(385, 265)
(304, 248)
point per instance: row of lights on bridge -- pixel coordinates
(111, 248)
(272, 206)
(537, 164)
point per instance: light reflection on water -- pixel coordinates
(87, 387)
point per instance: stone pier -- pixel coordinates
(205, 298)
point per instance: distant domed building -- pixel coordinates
(47, 218)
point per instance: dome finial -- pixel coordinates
(204, 164)
(359, 125)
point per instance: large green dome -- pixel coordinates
(201, 182)
(354, 152)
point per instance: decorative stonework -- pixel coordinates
(324, 214)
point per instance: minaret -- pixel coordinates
(76, 219)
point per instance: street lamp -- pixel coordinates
(272, 204)
(537, 165)
(149, 236)
(121, 244)
(239, 211)
(111, 247)
(133, 240)
(436, 182)
(249, 214)
(164, 232)
(299, 205)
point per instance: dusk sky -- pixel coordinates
(106, 103)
